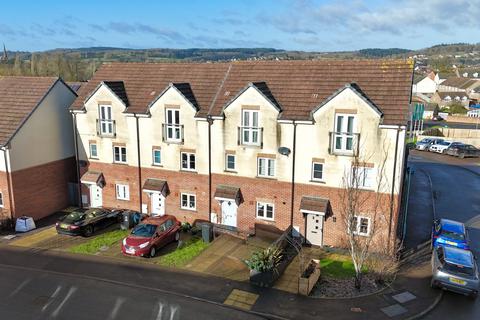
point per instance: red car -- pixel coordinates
(150, 235)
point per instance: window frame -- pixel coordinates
(153, 157)
(234, 162)
(189, 155)
(2, 203)
(175, 127)
(125, 195)
(267, 167)
(362, 179)
(90, 150)
(264, 205)
(107, 120)
(121, 161)
(322, 171)
(189, 199)
(358, 223)
(344, 135)
(249, 127)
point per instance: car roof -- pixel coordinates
(458, 256)
(451, 225)
(157, 220)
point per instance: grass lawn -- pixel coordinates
(337, 266)
(106, 239)
(180, 257)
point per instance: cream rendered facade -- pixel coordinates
(312, 144)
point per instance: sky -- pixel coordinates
(309, 25)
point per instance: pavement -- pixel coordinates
(455, 186)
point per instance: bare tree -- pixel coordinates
(372, 204)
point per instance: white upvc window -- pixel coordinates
(123, 191)
(1, 200)
(344, 138)
(172, 125)
(266, 167)
(93, 151)
(157, 157)
(230, 162)
(119, 154)
(317, 171)
(363, 177)
(361, 225)
(106, 120)
(188, 161)
(265, 211)
(188, 201)
(250, 132)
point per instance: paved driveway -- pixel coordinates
(456, 189)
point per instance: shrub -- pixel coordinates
(383, 267)
(185, 227)
(265, 260)
(433, 132)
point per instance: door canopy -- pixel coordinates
(227, 192)
(156, 185)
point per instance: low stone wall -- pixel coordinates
(464, 119)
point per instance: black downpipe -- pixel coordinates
(77, 163)
(393, 188)
(140, 195)
(9, 186)
(210, 122)
(293, 173)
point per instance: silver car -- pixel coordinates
(425, 143)
(455, 269)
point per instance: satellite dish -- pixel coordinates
(284, 151)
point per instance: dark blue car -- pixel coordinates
(449, 233)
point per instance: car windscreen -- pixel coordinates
(74, 217)
(453, 235)
(444, 143)
(458, 269)
(144, 230)
(426, 141)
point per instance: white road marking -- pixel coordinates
(69, 294)
(50, 300)
(173, 311)
(160, 311)
(20, 287)
(116, 307)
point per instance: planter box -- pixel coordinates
(305, 285)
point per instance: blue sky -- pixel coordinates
(312, 25)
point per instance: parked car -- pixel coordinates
(426, 142)
(466, 150)
(453, 148)
(150, 235)
(440, 147)
(456, 270)
(85, 222)
(449, 233)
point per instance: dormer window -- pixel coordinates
(105, 123)
(250, 133)
(172, 129)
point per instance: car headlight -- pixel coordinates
(124, 241)
(144, 245)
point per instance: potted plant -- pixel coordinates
(263, 266)
(309, 277)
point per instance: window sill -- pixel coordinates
(265, 219)
(123, 199)
(157, 165)
(172, 142)
(188, 171)
(230, 171)
(267, 178)
(188, 209)
(121, 163)
(94, 158)
(318, 181)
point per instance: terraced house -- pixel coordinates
(224, 141)
(37, 158)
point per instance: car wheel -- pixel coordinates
(473, 296)
(444, 151)
(88, 231)
(462, 155)
(153, 252)
(177, 236)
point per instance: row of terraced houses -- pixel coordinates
(240, 143)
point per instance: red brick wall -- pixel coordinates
(5, 211)
(273, 191)
(40, 191)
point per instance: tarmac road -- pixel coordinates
(456, 189)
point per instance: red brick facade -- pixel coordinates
(39, 191)
(253, 190)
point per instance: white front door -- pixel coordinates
(95, 196)
(158, 204)
(229, 213)
(315, 229)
